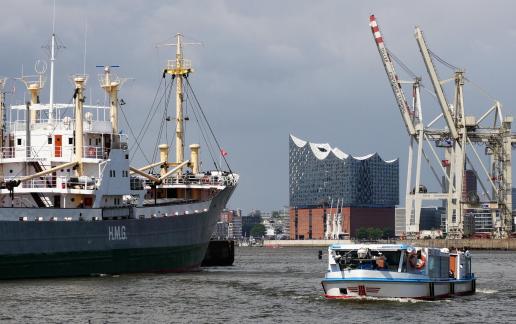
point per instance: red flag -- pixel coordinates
(223, 152)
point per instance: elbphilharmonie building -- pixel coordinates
(322, 177)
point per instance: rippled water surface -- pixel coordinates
(265, 285)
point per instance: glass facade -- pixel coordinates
(319, 174)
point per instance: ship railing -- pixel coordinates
(190, 179)
(183, 64)
(58, 182)
(37, 153)
(138, 182)
(67, 123)
(7, 152)
(93, 152)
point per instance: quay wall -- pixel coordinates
(471, 244)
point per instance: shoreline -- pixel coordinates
(471, 244)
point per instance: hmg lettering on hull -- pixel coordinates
(117, 233)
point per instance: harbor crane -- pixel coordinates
(455, 149)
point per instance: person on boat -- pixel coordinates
(416, 261)
(412, 259)
(381, 263)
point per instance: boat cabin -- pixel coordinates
(401, 258)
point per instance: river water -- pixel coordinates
(265, 285)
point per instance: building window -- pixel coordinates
(19, 142)
(50, 140)
(70, 140)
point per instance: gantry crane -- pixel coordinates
(460, 136)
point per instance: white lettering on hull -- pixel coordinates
(117, 233)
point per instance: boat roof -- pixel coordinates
(382, 247)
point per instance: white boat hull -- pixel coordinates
(397, 289)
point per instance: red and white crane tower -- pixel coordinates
(457, 141)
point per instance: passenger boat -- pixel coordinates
(396, 270)
(73, 204)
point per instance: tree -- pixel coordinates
(388, 233)
(362, 233)
(375, 233)
(370, 233)
(258, 230)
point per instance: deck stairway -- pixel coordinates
(41, 200)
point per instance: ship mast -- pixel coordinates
(112, 85)
(52, 59)
(80, 84)
(2, 85)
(180, 154)
(179, 68)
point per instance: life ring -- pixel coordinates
(421, 262)
(91, 151)
(205, 180)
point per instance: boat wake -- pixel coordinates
(486, 291)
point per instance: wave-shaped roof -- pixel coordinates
(322, 150)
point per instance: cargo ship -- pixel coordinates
(71, 203)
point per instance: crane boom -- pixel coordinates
(393, 78)
(436, 83)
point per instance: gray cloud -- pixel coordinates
(270, 68)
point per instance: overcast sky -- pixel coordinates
(270, 68)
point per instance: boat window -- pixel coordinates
(438, 266)
(371, 260)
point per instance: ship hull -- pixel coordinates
(30, 249)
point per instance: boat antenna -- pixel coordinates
(53, 48)
(85, 43)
